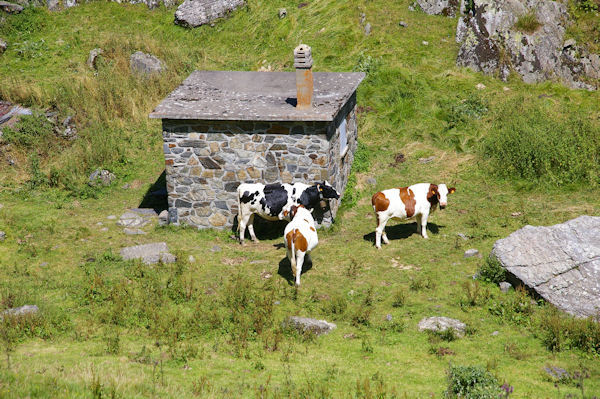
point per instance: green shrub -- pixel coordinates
(399, 298)
(587, 5)
(32, 132)
(535, 146)
(492, 271)
(367, 64)
(528, 23)
(471, 382)
(516, 308)
(560, 331)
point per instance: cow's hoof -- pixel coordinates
(378, 247)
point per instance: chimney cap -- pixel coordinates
(303, 57)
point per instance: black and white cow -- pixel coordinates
(274, 201)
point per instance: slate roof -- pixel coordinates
(256, 96)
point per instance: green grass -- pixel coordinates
(528, 23)
(212, 328)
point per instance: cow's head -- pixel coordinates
(439, 194)
(294, 210)
(326, 191)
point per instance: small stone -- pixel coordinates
(426, 160)
(403, 24)
(363, 18)
(506, 88)
(480, 86)
(471, 252)
(282, 13)
(43, 264)
(266, 275)
(10, 8)
(145, 64)
(411, 8)
(277, 303)
(3, 46)
(133, 232)
(191, 259)
(425, 43)
(104, 229)
(441, 323)
(2, 236)
(111, 217)
(126, 186)
(505, 286)
(464, 237)
(215, 248)
(349, 336)
(99, 224)
(163, 218)
(371, 181)
(93, 58)
(516, 214)
(569, 43)
(149, 253)
(132, 220)
(388, 317)
(368, 29)
(101, 177)
(306, 324)
(21, 311)
(495, 333)
(52, 5)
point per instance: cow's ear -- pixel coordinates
(451, 190)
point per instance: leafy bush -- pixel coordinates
(528, 23)
(588, 5)
(535, 147)
(560, 331)
(367, 64)
(492, 271)
(471, 382)
(32, 132)
(516, 308)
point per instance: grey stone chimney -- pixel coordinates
(304, 78)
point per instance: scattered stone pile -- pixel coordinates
(561, 263)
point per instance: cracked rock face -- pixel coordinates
(561, 263)
(491, 43)
(194, 13)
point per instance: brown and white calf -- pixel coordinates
(300, 238)
(418, 201)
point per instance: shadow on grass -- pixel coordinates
(285, 269)
(402, 231)
(264, 229)
(156, 196)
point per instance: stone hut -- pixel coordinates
(221, 128)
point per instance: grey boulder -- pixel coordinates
(491, 43)
(145, 64)
(448, 8)
(132, 220)
(93, 57)
(194, 13)
(2, 236)
(149, 253)
(441, 323)
(306, 324)
(561, 263)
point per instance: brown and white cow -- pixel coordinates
(300, 238)
(418, 201)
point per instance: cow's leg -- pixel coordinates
(384, 236)
(424, 225)
(251, 228)
(242, 223)
(299, 262)
(418, 218)
(379, 231)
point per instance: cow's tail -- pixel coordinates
(239, 211)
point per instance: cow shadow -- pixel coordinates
(264, 229)
(156, 196)
(402, 231)
(285, 269)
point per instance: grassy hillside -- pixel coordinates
(211, 327)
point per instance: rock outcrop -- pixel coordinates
(494, 41)
(448, 8)
(194, 13)
(561, 263)
(149, 253)
(10, 8)
(441, 323)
